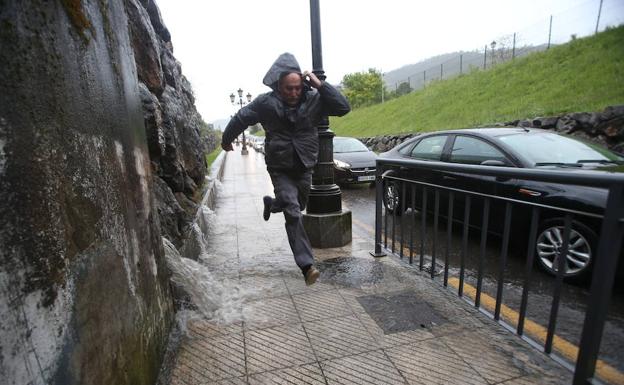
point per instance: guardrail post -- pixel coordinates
(602, 282)
(378, 202)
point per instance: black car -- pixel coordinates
(513, 147)
(353, 161)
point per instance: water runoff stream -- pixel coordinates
(201, 291)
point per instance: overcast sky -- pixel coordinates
(224, 45)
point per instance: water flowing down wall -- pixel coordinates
(84, 287)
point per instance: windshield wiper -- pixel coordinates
(601, 161)
(560, 164)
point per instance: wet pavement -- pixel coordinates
(366, 320)
(360, 199)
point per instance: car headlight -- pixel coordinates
(341, 164)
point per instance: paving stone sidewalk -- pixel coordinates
(366, 321)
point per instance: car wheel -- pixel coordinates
(581, 249)
(391, 198)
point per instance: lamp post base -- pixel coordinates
(244, 151)
(324, 199)
(328, 230)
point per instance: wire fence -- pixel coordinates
(582, 20)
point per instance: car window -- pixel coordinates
(471, 150)
(348, 145)
(429, 148)
(405, 150)
(546, 147)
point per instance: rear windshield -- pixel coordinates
(553, 148)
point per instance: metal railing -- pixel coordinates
(608, 249)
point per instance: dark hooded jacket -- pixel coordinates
(291, 135)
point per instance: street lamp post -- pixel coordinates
(241, 104)
(326, 223)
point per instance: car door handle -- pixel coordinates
(446, 177)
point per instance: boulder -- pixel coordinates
(611, 112)
(613, 129)
(566, 124)
(545, 123)
(525, 123)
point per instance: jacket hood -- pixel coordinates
(284, 64)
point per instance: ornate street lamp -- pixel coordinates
(241, 104)
(326, 223)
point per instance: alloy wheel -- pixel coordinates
(550, 244)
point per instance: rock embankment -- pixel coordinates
(605, 128)
(172, 123)
(100, 156)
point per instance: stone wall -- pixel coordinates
(172, 123)
(84, 292)
(605, 128)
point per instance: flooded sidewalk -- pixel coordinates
(366, 321)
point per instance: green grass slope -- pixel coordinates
(583, 75)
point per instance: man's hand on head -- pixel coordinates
(314, 81)
(227, 147)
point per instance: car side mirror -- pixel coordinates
(494, 162)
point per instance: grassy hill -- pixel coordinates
(584, 75)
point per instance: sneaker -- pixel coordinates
(268, 201)
(311, 275)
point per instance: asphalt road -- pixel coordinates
(360, 199)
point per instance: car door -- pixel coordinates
(429, 148)
(473, 150)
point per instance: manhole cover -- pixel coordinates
(400, 312)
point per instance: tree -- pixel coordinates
(209, 137)
(363, 88)
(403, 89)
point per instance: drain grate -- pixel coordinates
(400, 312)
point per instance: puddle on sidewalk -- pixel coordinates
(351, 272)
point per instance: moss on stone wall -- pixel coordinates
(77, 16)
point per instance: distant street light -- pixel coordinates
(241, 104)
